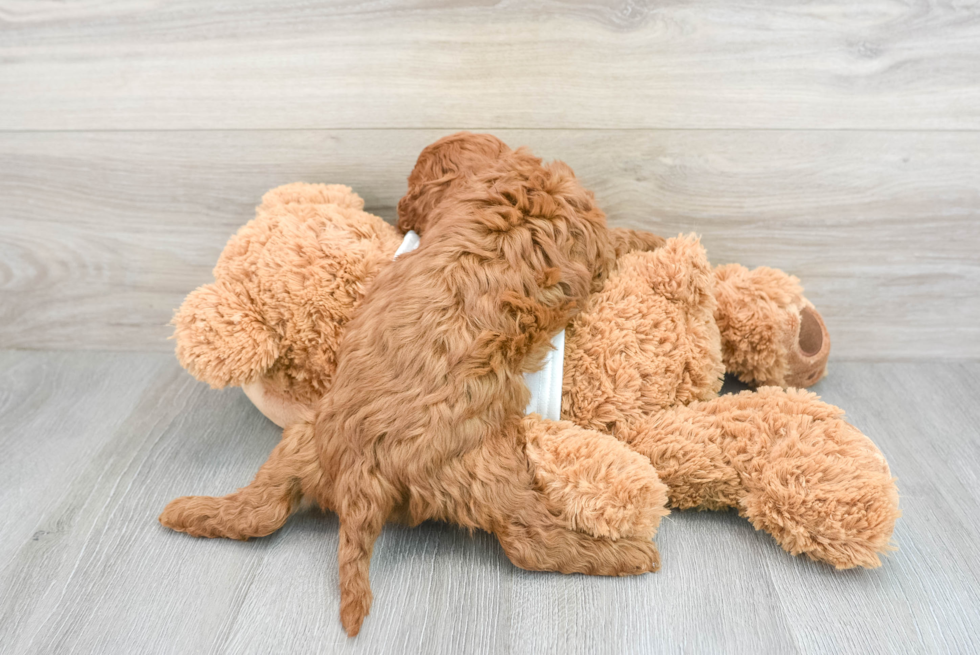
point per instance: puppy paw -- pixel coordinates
(199, 516)
(639, 556)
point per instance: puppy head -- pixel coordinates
(576, 229)
(439, 170)
(543, 222)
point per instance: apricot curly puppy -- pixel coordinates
(425, 417)
(447, 164)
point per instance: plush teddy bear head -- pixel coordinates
(285, 287)
(289, 280)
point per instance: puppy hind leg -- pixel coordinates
(262, 507)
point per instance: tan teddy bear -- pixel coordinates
(643, 362)
(290, 279)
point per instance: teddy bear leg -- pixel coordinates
(600, 486)
(262, 507)
(770, 333)
(788, 462)
(540, 542)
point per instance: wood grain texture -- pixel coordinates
(838, 141)
(103, 234)
(88, 569)
(543, 64)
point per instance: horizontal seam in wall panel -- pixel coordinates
(509, 129)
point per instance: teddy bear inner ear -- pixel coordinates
(222, 338)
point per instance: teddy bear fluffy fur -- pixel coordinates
(289, 281)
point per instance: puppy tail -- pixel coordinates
(292, 471)
(364, 502)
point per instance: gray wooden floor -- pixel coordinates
(94, 445)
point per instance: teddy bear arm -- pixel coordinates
(221, 337)
(788, 462)
(595, 483)
(647, 341)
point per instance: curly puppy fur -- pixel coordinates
(440, 170)
(425, 417)
(449, 162)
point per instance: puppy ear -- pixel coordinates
(439, 167)
(417, 204)
(221, 337)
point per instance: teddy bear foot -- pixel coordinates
(770, 333)
(788, 462)
(593, 482)
(549, 547)
(821, 488)
(825, 492)
(807, 350)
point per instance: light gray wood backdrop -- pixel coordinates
(839, 141)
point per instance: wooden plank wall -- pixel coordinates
(839, 141)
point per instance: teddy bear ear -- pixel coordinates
(625, 241)
(302, 193)
(680, 271)
(221, 337)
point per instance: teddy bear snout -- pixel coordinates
(811, 332)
